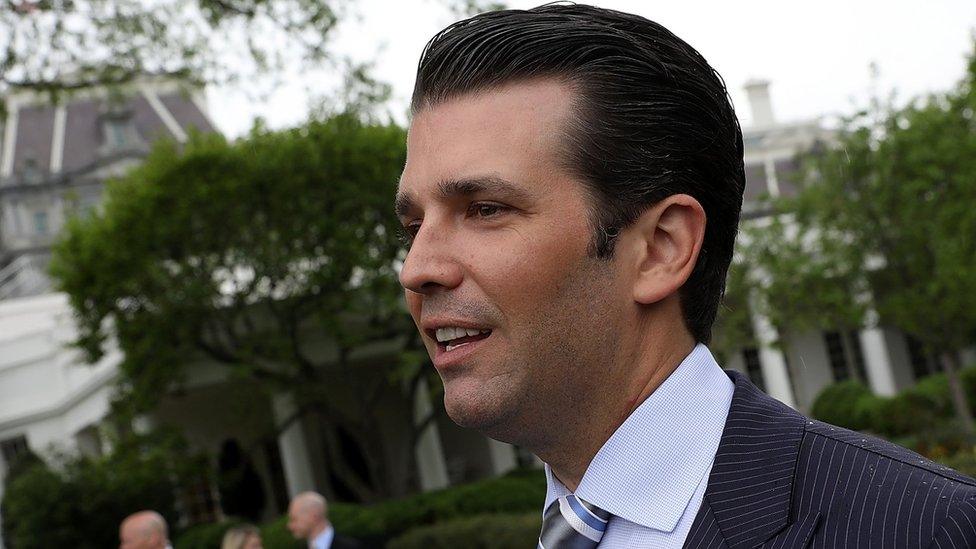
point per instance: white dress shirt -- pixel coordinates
(652, 472)
(323, 540)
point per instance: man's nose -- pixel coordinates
(431, 264)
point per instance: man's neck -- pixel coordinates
(591, 429)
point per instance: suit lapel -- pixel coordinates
(749, 490)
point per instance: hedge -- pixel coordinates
(204, 536)
(922, 413)
(494, 531)
(491, 502)
(81, 502)
(518, 491)
(847, 404)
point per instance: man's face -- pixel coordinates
(299, 521)
(500, 249)
(134, 535)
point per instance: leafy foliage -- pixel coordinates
(274, 256)
(920, 417)
(204, 536)
(885, 218)
(733, 325)
(807, 280)
(57, 45)
(81, 502)
(502, 531)
(842, 404)
(516, 492)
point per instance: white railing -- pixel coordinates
(22, 277)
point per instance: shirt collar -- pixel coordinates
(649, 469)
(324, 539)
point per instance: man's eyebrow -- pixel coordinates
(455, 188)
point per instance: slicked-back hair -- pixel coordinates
(651, 119)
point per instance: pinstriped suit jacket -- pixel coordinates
(781, 480)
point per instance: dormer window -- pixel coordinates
(118, 130)
(31, 171)
(115, 133)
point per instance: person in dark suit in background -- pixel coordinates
(308, 519)
(571, 198)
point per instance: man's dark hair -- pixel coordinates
(652, 119)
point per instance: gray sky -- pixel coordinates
(816, 54)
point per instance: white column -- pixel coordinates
(877, 362)
(877, 358)
(430, 455)
(775, 373)
(502, 456)
(293, 446)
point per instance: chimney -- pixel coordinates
(759, 103)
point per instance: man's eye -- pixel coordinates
(485, 209)
(407, 233)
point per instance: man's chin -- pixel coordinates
(479, 412)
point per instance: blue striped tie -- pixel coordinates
(571, 523)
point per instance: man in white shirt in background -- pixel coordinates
(308, 519)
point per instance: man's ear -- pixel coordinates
(665, 241)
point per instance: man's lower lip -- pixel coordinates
(445, 359)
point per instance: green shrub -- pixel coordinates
(81, 504)
(902, 415)
(967, 377)
(841, 404)
(275, 535)
(204, 536)
(963, 461)
(515, 492)
(493, 531)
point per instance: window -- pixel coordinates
(846, 357)
(31, 172)
(40, 223)
(922, 362)
(854, 340)
(14, 448)
(835, 351)
(754, 367)
(115, 134)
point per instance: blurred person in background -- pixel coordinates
(144, 530)
(308, 519)
(245, 536)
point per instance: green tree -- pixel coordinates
(733, 324)
(62, 45)
(885, 219)
(274, 256)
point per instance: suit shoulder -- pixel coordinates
(860, 442)
(345, 542)
(958, 529)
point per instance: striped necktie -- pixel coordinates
(571, 523)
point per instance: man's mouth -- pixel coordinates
(453, 337)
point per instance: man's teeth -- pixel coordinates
(452, 332)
